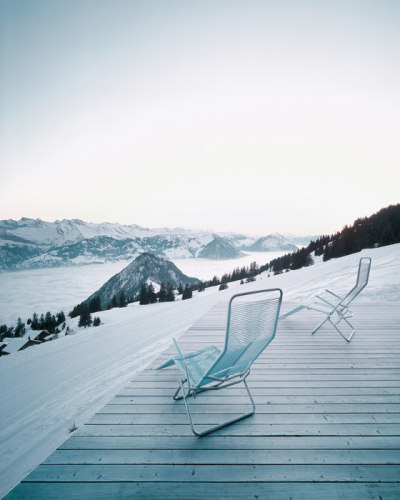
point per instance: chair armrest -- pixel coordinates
(334, 294)
(324, 300)
(166, 364)
(293, 311)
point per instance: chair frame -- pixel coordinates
(220, 382)
(341, 308)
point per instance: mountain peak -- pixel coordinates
(145, 268)
(271, 243)
(220, 248)
(147, 255)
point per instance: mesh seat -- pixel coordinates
(251, 325)
(197, 364)
(336, 307)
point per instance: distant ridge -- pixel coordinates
(271, 243)
(33, 243)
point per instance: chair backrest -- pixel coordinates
(251, 325)
(364, 267)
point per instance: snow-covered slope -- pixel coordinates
(46, 388)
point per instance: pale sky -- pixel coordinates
(246, 116)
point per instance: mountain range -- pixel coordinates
(33, 243)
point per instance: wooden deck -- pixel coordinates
(327, 424)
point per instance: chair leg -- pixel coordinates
(188, 394)
(220, 426)
(319, 326)
(175, 396)
(340, 331)
(341, 318)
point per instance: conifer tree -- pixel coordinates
(35, 322)
(387, 236)
(170, 293)
(122, 300)
(327, 253)
(143, 295)
(253, 271)
(162, 294)
(151, 294)
(4, 332)
(95, 304)
(60, 318)
(96, 321)
(48, 321)
(85, 319)
(53, 323)
(19, 329)
(76, 311)
(187, 292)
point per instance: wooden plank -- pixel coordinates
(280, 381)
(256, 419)
(261, 408)
(214, 442)
(183, 491)
(155, 391)
(200, 473)
(243, 429)
(190, 456)
(272, 399)
(171, 383)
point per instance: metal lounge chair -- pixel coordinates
(336, 306)
(251, 325)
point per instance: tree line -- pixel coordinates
(95, 305)
(49, 322)
(147, 294)
(380, 229)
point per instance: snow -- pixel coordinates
(45, 389)
(60, 289)
(205, 269)
(14, 344)
(52, 289)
